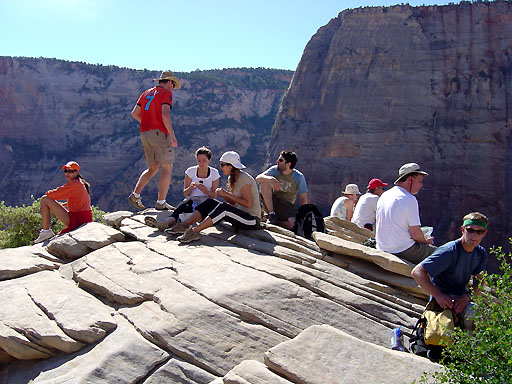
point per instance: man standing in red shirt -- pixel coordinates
(152, 111)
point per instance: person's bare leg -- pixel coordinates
(49, 205)
(206, 223)
(145, 177)
(194, 218)
(165, 181)
(266, 192)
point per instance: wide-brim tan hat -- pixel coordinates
(351, 189)
(409, 168)
(168, 75)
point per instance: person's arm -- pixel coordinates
(188, 186)
(136, 114)
(245, 200)
(210, 192)
(166, 117)
(420, 275)
(303, 199)
(418, 236)
(349, 204)
(263, 178)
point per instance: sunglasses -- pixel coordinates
(69, 170)
(281, 160)
(477, 231)
(222, 165)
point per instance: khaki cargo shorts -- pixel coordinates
(157, 147)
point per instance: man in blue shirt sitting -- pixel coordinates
(446, 272)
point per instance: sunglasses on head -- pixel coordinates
(222, 165)
(478, 231)
(69, 170)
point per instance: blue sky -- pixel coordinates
(176, 35)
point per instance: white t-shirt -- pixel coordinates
(366, 210)
(338, 208)
(397, 210)
(196, 194)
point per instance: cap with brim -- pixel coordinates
(232, 158)
(375, 183)
(351, 189)
(168, 75)
(409, 168)
(71, 165)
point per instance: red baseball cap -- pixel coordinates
(71, 165)
(374, 183)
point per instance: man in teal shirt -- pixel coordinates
(280, 185)
(446, 272)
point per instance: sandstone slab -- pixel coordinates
(83, 240)
(344, 247)
(199, 331)
(124, 273)
(323, 354)
(44, 313)
(252, 372)
(176, 370)
(21, 261)
(124, 356)
(114, 218)
(273, 302)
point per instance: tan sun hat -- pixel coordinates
(409, 168)
(169, 75)
(351, 189)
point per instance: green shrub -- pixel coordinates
(20, 225)
(485, 356)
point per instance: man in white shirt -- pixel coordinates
(398, 226)
(366, 208)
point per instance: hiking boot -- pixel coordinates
(177, 229)
(152, 222)
(44, 235)
(189, 236)
(272, 218)
(164, 206)
(136, 202)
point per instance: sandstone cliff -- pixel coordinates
(52, 111)
(380, 87)
(129, 304)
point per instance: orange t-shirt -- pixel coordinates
(75, 193)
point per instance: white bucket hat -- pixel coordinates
(409, 168)
(351, 189)
(232, 158)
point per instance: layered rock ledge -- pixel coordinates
(128, 303)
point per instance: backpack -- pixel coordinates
(308, 220)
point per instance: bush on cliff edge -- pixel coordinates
(485, 356)
(20, 225)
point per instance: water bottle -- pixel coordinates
(397, 339)
(194, 205)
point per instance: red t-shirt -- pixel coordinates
(75, 193)
(150, 103)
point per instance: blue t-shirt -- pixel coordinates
(450, 266)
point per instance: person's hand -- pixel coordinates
(460, 303)
(275, 185)
(202, 188)
(174, 142)
(193, 185)
(220, 192)
(444, 301)
(429, 239)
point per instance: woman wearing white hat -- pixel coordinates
(242, 207)
(343, 206)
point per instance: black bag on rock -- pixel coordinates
(308, 220)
